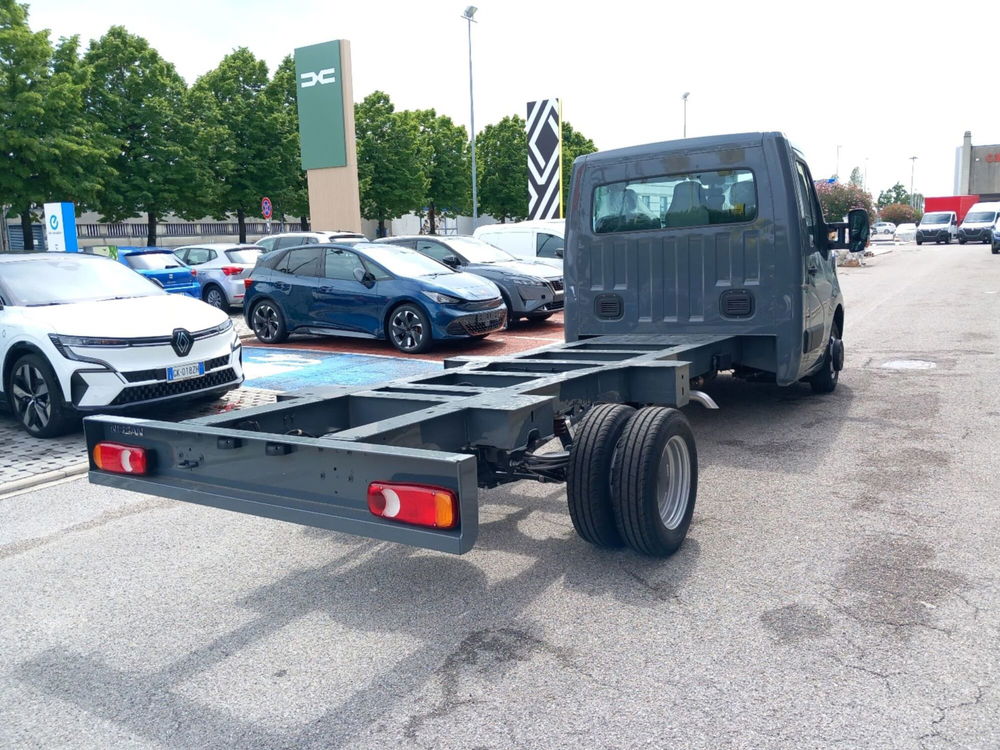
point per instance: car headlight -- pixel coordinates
(223, 327)
(441, 299)
(529, 281)
(62, 341)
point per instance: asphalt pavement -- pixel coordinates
(839, 586)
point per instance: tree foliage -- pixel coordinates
(574, 144)
(444, 154)
(49, 149)
(138, 97)
(390, 173)
(899, 213)
(896, 194)
(857, 178)
(837, 199)
(502, 167)
(242, 153)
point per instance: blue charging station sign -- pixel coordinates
(60, 228)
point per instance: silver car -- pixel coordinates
(221, 267)
(294, 239)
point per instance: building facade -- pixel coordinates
(977, 170)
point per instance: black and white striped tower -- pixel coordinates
(544, 160)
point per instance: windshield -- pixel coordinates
(246, 255)
(64, 279)
(984, 217)
(477, 251)
(152, 261)
(401, 261)
(936, 219)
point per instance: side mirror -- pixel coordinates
(559, 252)
(858, 229)
(364, 277)
(451, 261)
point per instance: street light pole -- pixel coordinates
(913, 166)
(685, 96)
(836, 172)
(467, 15)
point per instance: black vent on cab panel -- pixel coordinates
(736, 303)
(608, 306)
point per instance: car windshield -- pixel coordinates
(477, 251)
(984, 217)
(936, 219)
(65, 279)
(152, 261)
(401, 261)
(246, 255)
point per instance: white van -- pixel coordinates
(938, 226)
(542, 240)
(978, 223)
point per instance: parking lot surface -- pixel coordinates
(838, 587)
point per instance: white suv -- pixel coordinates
(84, 334)
(271, 242)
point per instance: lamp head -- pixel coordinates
(470, 12)
(685, 95)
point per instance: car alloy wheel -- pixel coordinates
(215, 297)
(32, 399)
(408, 329)
(266, 322)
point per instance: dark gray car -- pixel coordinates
(530, 289)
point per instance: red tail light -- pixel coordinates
(413, 503)
(247, 283)
(232, 270)
(120, 459)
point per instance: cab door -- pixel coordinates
(341, 301)
(817, 271)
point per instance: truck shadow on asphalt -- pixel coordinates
(469, 615)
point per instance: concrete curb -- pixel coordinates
(27, 483)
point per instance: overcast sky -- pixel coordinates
(882, 81)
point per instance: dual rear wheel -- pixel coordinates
(633, 478)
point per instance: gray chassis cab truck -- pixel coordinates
(683, 259)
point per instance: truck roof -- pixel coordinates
(705, 143)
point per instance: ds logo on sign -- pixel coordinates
(327, 75)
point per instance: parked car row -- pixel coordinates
(115, 328)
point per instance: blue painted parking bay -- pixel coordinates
(289, 369)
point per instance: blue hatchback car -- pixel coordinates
(371, 291)
(157, 264)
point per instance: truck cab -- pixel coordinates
(717, 235)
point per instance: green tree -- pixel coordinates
(290, 194)
(502, 167)
(574, 144)
(48, 149)
(857, 178)
(837, 199)
(232, 104)
(896, 194)
(391, 177)
(444, 154)
(139, 98)
(899, 213)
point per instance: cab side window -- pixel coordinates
(549, 245)
(806, 198)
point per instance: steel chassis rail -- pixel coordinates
(310, 457)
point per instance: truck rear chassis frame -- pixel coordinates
(310, 457)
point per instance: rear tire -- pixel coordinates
(36, 399)
(268, 323)
(588, 480)
(214, 296)
(655, 481)
(825, 380)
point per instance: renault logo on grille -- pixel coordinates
(181, 341)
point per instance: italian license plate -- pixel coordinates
(183, 372)
(487, 319)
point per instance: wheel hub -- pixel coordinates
(673, 482)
